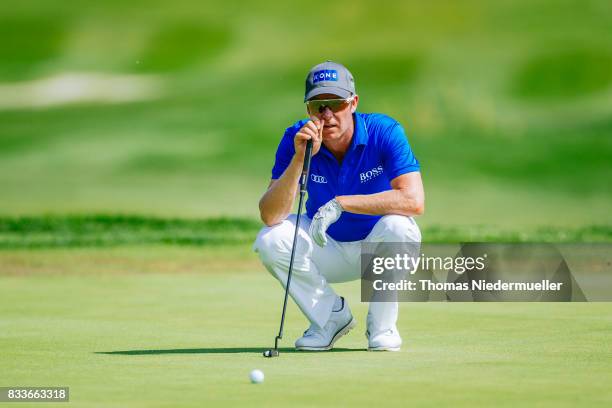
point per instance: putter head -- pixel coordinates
(271, 353)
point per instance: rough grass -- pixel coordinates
(508, 112)
(107, 230)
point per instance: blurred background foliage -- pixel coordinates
(175, 109)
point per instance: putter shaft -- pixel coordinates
(303, 185)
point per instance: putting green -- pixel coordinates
(167, 326)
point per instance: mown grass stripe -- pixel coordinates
(56, 231)
(113, 230)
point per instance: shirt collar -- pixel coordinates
(360, 133)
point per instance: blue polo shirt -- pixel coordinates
(378, 153)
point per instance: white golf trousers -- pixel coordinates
(315, 267)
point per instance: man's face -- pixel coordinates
(336, 123)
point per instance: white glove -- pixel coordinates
(327, 215)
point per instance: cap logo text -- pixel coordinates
(325, 75)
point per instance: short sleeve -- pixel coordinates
(397, 156)
(284, 152)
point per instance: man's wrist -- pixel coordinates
(338, 200)
(298, 159)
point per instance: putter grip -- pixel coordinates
(307, 157)
(306, 168)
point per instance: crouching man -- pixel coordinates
(364, 185)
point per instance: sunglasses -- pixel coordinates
(335, 105)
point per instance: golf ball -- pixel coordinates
(257, 376)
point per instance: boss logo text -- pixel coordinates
(370, 174)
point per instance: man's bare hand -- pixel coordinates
(313, 129)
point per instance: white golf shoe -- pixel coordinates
(320, 339)
(388, 340)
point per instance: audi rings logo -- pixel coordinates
(318, 179)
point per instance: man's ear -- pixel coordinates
(354, 103)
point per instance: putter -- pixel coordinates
(303, 182)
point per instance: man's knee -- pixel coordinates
(273, 244)
(399, 228)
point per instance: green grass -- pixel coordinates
(106, 231)
(164, 326)
(569, 75)
(180, 46)
(101, 230)
(509, 115)
(507, 105)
